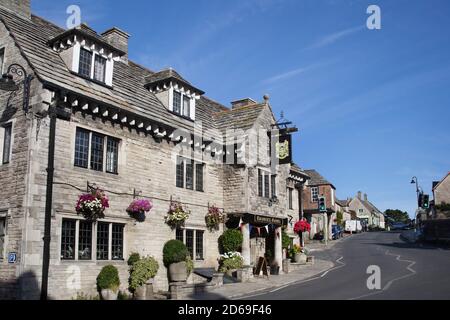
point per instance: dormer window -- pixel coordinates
(85, 65)
(99, 68)
(174, 92)
(94, 70)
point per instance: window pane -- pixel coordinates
(102, 241)
(117, 242)
(179, 235)
(7, 143)
(85, 241)
(177, 102)
(189, 175)
(68, 239)
(97, 151)
(85, 63)
(315, 194)
(112, 155)
(290, 199)
(99, 68)
(260, 183)
(190, 242)
(266, 186)
(273, 185)
(199, 177)
(180, 172)
(81, 148)
(186, 106)
(199, 245)
(2, 236)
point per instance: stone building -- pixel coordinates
(133, 133)
(367, 212)
(440, 208)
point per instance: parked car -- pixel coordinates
(337, 232)
(399, 226)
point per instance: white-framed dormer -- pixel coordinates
(175, 93)
(87, 54)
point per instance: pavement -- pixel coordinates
(409, 236)
(262, 285)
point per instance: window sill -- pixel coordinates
(95, 171)
(92, 80)
(181, 116)
(66, 261)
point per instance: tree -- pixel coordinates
(397, 215)
(339, 217)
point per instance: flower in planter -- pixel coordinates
(230, 261)
(214, 218)
(92, 205)
(138, 208)
(177, 216)
(302, 226)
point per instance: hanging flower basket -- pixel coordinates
(138, 208)
(214, 218)
(92, 205)
(177, 216)
(302, 226)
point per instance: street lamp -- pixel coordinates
(7, 83)
(414, 180)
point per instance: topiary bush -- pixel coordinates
(174, 251)
(230, 241)
(286, 240)
(134, 257)
(141, 271)
(108, 278)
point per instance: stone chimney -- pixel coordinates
(118, 39)
(365, 196)
(19, 7)
(242, 103)
(359, 195)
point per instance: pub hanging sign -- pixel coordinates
(282, 147)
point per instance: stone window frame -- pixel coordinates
(290, 196)
(2, 59)
(265, 188)
(5, 214)
(194, 186)
(106, 137)
(3, 125)
(110, 222)
(194, 240)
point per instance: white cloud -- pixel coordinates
(334, 37)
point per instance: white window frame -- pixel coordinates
(314, 200)
(93, 241)
(109, 67)
(194, 247)
(191, 114)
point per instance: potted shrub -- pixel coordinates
(134, 257)
(175, 258)
(138, 208)
(177, 216)
(108, 282)
(230, 241)
(214, 218)
(142, 273)
(298, 255)
(92, 205)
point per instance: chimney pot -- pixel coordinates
(359, 195)
(365, 197)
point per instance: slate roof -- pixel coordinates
(128, 91)
(342, 203)
(167, 75)
(297, 169)
(317, 179)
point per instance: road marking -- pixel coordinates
(388, 285)
(342, 264)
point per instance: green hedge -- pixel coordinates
(108, 278)
(174, 251)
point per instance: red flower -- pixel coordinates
(302, 226)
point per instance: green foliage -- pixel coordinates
(231, 261)
(174, 251)
(134, 257)
(83, 296)
(443, 207)
(108, 278)
(286, 240)
(231, 240)
(189, 265)
(397, 215)
(339, 217)
(142, 271)
(123, 296)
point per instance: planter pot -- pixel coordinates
(178, 272)
(108, 294)
(300, 258)
(138, 216)
(140, 293)
(274, 270)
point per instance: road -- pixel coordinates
(408, 271)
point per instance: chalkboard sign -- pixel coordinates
(262, 265)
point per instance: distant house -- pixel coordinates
(344, 207)
(366, 211)
(318, 186)
(441, 195)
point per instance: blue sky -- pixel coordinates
(372, 106)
